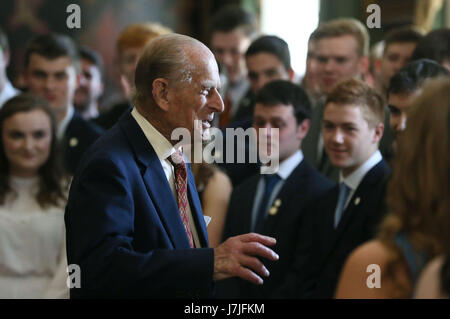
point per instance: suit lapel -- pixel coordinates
(292, 187)
(156, 182)
(358, 200)
(196, 209)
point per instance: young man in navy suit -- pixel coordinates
(51, 71)
(353, 123)
(134, 222)
(276, 210)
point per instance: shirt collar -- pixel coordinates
(354, 179)
(64, 123)
(8, 92)
(160, 144)
(288, 165)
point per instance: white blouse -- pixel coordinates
(32, 245)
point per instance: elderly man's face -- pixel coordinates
(197, 100)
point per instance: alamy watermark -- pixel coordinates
(235, 146)
(374, 279)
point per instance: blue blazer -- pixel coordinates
(79, 135)
(302, 188)
(123, 226)
(322, 255)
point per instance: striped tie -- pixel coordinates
(181, 188)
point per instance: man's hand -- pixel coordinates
(237, 256)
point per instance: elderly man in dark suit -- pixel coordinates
(348, 215)
(134, 222)
(51, 71)
(275, 204)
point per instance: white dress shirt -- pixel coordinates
(284, 171)
(8, 92)
(62, 126)
(164, 149)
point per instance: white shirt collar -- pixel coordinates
(65, 122)
(354, 179)
(8, 92)
(160, 144)
(288, 165)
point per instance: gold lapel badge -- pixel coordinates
(274, 209)
(73, 142)
(357, 200)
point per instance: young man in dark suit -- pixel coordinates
(134, 223)
(353, 124)
(274, 204)
(51, 71)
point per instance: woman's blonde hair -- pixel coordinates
(418, 193)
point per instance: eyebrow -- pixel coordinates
(390, 106)
(341, 124)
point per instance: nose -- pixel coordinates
(338, 136)
(28, 143)
(49, 83)
(398, 123)
(262, 80)
(227, 60)
(329, 66)
(402, 125)
(216, 102)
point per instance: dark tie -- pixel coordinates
(270, 182)
(181, 188)
(344, 190)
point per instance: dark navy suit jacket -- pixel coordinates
(79, 135)
(123, 226)
(322, 249)
(303, 186)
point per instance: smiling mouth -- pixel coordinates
(206, 124)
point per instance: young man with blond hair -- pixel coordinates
(353, 124)
(342, 53)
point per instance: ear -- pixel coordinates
(364, 64)
(125, 86)
(379, 129)
(291, 74)
(160, 92)
(6, 57)
(303, 128)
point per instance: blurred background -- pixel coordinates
(292, 20)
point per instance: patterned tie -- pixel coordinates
(181, 187)
(344, 190)
(270, 182)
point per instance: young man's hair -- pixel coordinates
(402, 35)
(286, 93)
(434, 46)
(273, 45)
(345, 26)
(231, 17)
(53, 46)
(412, 76)
(4, 44)
(92, 56)
(138, 35)
(356, 93)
